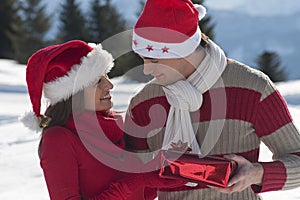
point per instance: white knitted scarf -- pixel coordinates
(185, 96)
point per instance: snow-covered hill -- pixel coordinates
(20, 174)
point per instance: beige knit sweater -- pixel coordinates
(241, 110)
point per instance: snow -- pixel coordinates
(20, 174)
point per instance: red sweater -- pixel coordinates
(72, 172)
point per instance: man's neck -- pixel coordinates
(194, 60)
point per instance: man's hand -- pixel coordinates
(247, 174)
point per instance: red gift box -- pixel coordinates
(190, 167)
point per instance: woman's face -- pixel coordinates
(97, 97)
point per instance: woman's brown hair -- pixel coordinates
(60, 113)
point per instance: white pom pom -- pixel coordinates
(202, 11)
(93, 45)
(31, 121)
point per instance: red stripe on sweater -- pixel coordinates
(228, 103)
(272, 114)
(152, 113)
(146, 116)
(274, 177)
(220, 103)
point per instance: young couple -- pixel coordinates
(216, 105)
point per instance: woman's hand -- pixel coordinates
(247, 174)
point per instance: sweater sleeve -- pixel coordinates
(58, 161)
(275, 127)
(123, 188)
(135, 143)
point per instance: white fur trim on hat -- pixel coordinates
(151, 49)
(31, 121)
(97, 62)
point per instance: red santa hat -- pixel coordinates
(168, 29)
(60, 71)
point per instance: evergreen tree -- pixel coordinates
(270, 63)
(73, 23)
(115, 22)
(30, 30)
(205, 24)
(104, 21)
(95, 24)
(8, 17)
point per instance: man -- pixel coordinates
(231, 107)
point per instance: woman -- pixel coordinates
(79, 123)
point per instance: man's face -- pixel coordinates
(166, 71)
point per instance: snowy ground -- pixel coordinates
(20, 173)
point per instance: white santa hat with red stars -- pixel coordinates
(168, 29)
(60, 71)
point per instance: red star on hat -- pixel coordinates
(135, 42)
(150, 48)
(165, 49)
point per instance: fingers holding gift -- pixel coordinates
(246, 175)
